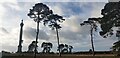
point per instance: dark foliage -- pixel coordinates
(110, 19)
(53, 20)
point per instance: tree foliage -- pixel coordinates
(53, 20)
(46, 47)
(93, 26)
(64, 48)
(31, 47)
(110, 19)
(39, 12)
(116, 47)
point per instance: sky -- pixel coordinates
(74, 12)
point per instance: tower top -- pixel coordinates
(22, 20)
(21, 24)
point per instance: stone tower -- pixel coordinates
(20, 38)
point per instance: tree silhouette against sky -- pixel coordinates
(110, 19)
(38, 13)
(93, 27)
(60, 47)
(53, 22)
(70, 48)
(64, 48)
(46, 47)
(41, 12)
(32, 46)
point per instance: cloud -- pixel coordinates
(4, 1)
(30, 33)
(68, 9)
(63, 1)
(3, 30)
(96, 12)
(8, 47)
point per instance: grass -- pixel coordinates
(61, 57)
(26, 55)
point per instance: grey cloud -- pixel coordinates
(9, 48)
(72, 8)
(3, 30)
(69, 35)
(81, 34)
(30, 33)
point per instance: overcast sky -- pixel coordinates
(12, 12)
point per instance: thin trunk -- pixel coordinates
(118, 33)
(91, 33)
(36, 39)
(58, 41)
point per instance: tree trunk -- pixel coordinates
(91, 33)
(58, 41)
(37, 33)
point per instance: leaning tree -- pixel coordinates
(110, 19)
(53, 21)
(31, 47)
(93, 27)
(39, 13)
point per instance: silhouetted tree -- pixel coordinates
(116, 47)
(93, 27)
(32, 46)
(46, 47)
(39, 13)
(60, 47)
(90, 51)
(64, 48)
(70, 48)
(110, 19)
(52, 22)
